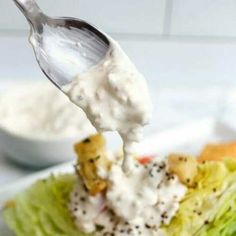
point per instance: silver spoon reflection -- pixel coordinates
(64, 47)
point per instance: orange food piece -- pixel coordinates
(9, 204)
(145, 159)
(217, 152)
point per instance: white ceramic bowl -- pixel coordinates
(36, 152)
(39, 148)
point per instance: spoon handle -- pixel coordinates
(31, 11)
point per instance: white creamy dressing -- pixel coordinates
(115, 97)
(137, 201)
(40, 110)
(132, 204)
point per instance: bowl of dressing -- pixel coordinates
(39, 125)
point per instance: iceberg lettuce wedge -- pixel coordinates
(42, 209)
(209, 209)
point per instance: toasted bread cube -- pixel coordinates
(92, 156)
(185, 167)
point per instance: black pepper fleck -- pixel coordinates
(83, 199)
(147, 226)
(87, 140)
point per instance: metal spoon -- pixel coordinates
(64, 47)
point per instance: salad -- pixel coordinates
(173, 196)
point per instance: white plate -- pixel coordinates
(189, 139)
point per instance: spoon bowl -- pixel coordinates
(64, 47)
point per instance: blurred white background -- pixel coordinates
(175, 43)
(185, 48)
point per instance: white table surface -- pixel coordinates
(172, 107)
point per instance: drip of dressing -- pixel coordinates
(114, 96)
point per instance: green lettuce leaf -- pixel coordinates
(42, 209)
